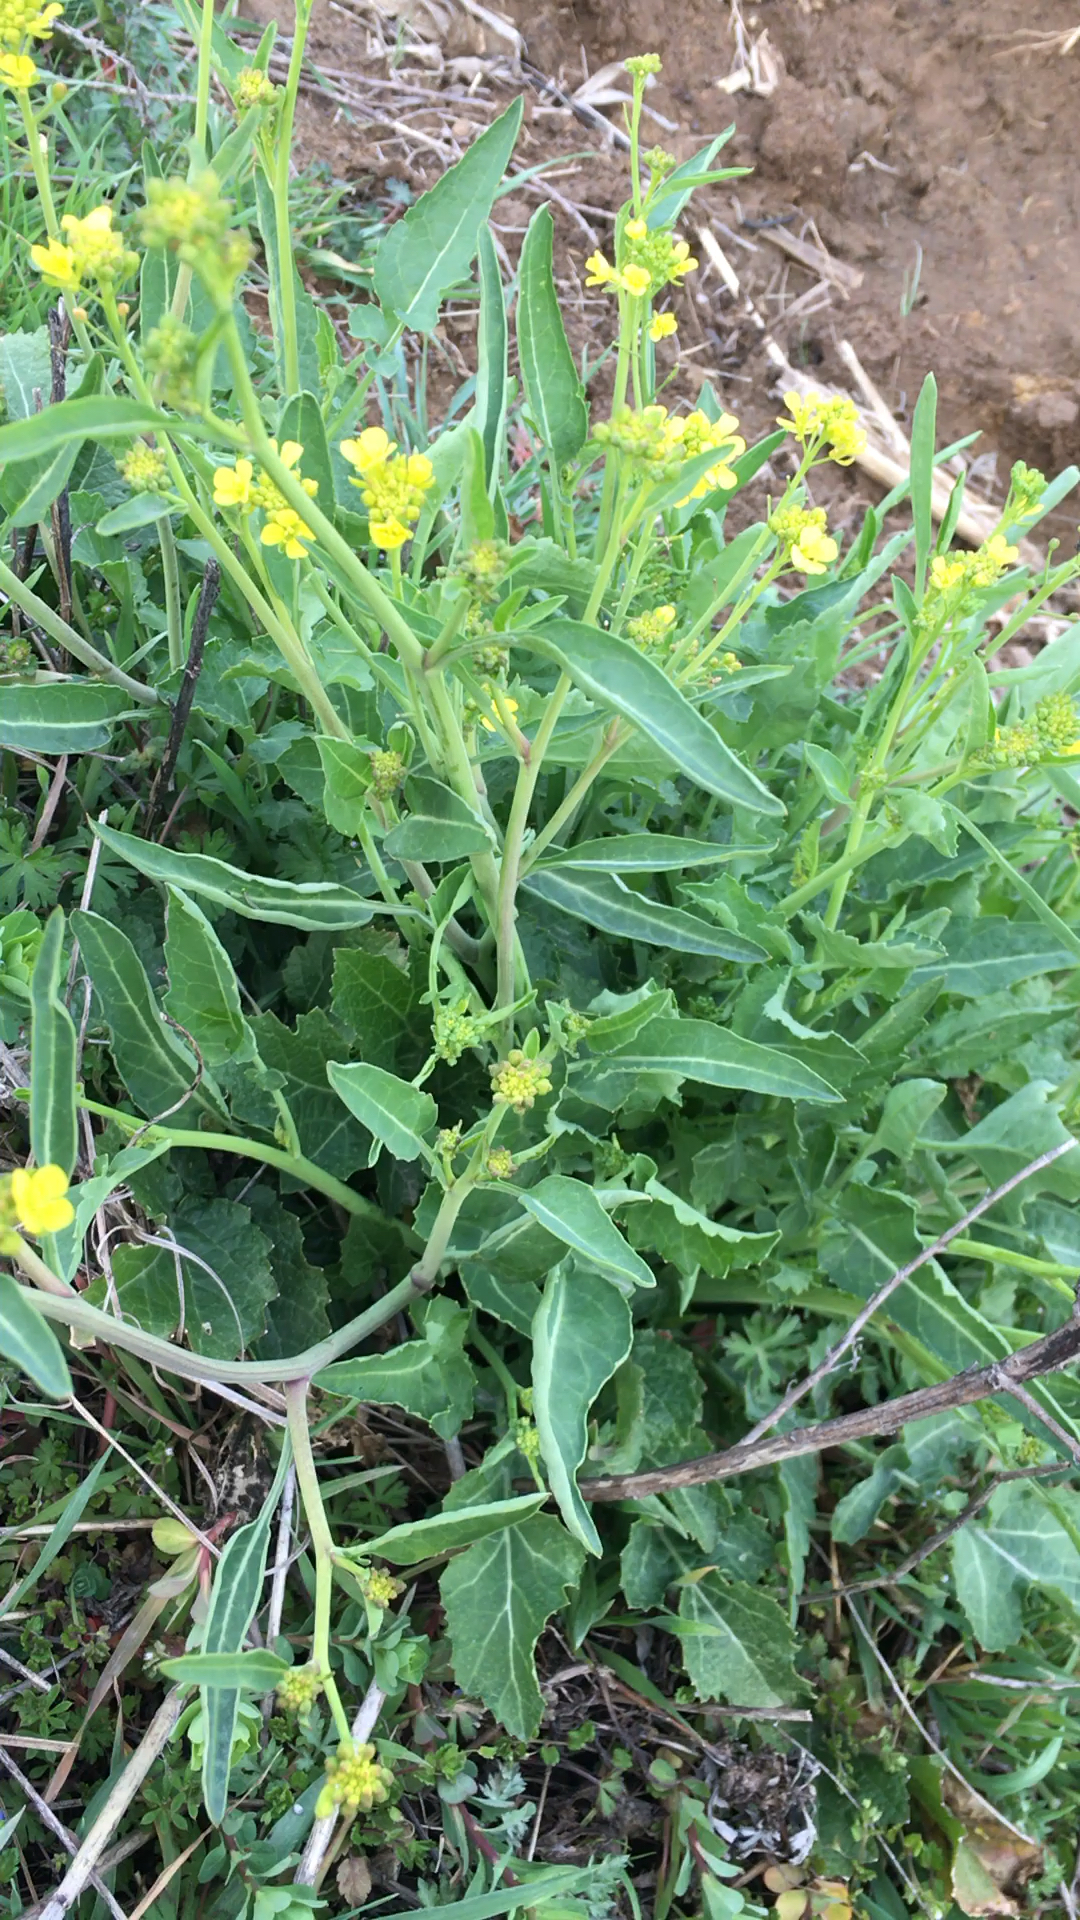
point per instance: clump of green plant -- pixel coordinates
(661, 997)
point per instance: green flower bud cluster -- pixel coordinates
(1051, 732)
(387, 773)
(455, 1030)
(355, 1780)
(298, 1690)
(519, 1082)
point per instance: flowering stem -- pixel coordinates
(202, 87)
(34, 143)
(173, 612)
(36, 1270)
(322, 1544)
(65, 636)
(510, 866)
(289, 344)
(616, 736)
(297, 1165)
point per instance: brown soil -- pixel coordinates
(901, 131)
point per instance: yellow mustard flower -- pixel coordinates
(636, 279)
(23, 20)
(232, 485)
(637, 229)
(393, 485)
(369, 448)
(99, 251)
(599, 272)
(992, 559)
(57, 266)
(662, 326)
(39, 1196)
(284, 528)
(18, 72)
(804, 535)
(695, 434)
(819, 421)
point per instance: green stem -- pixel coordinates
(322, 1545)
(501, 1371)
(856, 829)
(289, 345)
(65, 636)
(103, 1327)
(202, 86)
(297, 1165)
(173, 612)
(510, 865)
(39, 1272)
(1050, 1270)
(616, 736)
(40, 167)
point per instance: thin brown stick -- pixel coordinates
(1048, 1355)
(122, 1793)
(55, 1825)
(800, 1388)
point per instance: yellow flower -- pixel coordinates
(648, 629)
(491, 726)
(285, 529)
(992, 559)
(682, 261)
(232, 485)
(600, 272)
(57, 266)
(636, 229)
(662, 326)
(17, 71)
(818, 421)
(696, 434)
(388, 534)
(22, 20)
(636, 280)
(371, 446)
(354, 1779)
(40, 1199)
(803, 533)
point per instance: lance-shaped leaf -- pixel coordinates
(553, 388)
(571, 1211)
(418, 1540)
(395, 1112)
(203, 995)
(314, 906)
(602, 900)
(582, 1332)
(698, 1050)
(60, 716)
(617, 676)
(29, 1342)
(54, 1125)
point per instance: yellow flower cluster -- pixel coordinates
(1051, 733)
(500, 1164)
(298, 1690)
(393, 485)
(661, 443)
(34, 1199)
(144, 468)
(23, 20)
(18, 72)
(804, 537)
(651, 629)
(355, 1780)
(239, 487)
(454, 1030)
(519, 1082)
(387, 773)
(254, 89)
(378, 1586)
(823, 424)
(647, 262)
(93, 251)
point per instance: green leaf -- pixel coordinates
(303, 422)
(234, 1599)
(477, 512)
(447, 1532)
(602, 900)
(641, 853)
(498, 1598)
(983, 956)
(203, 995)
(254, 1668)
(298, 1317)
(314, 906)
(691, 1241)
(737, 1644)
(615, 675)
(553, 389)
(582, 1332)
(328, 1134)
(393, 1111)
(140, 511)
(698, 1050)
(491, 345)
(159, 1071)
(54, 1122)
(431, 248)
(377, 1000)
(60, 716)
(429, 1377)
(214, 1286)
(572, 1212)
(542, 1890)
(28, 488)
(1028, 1541)
(105, 416)
(438, 826)
(923, 435)
(25, 367)
(346, 783)
(28, 1341)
